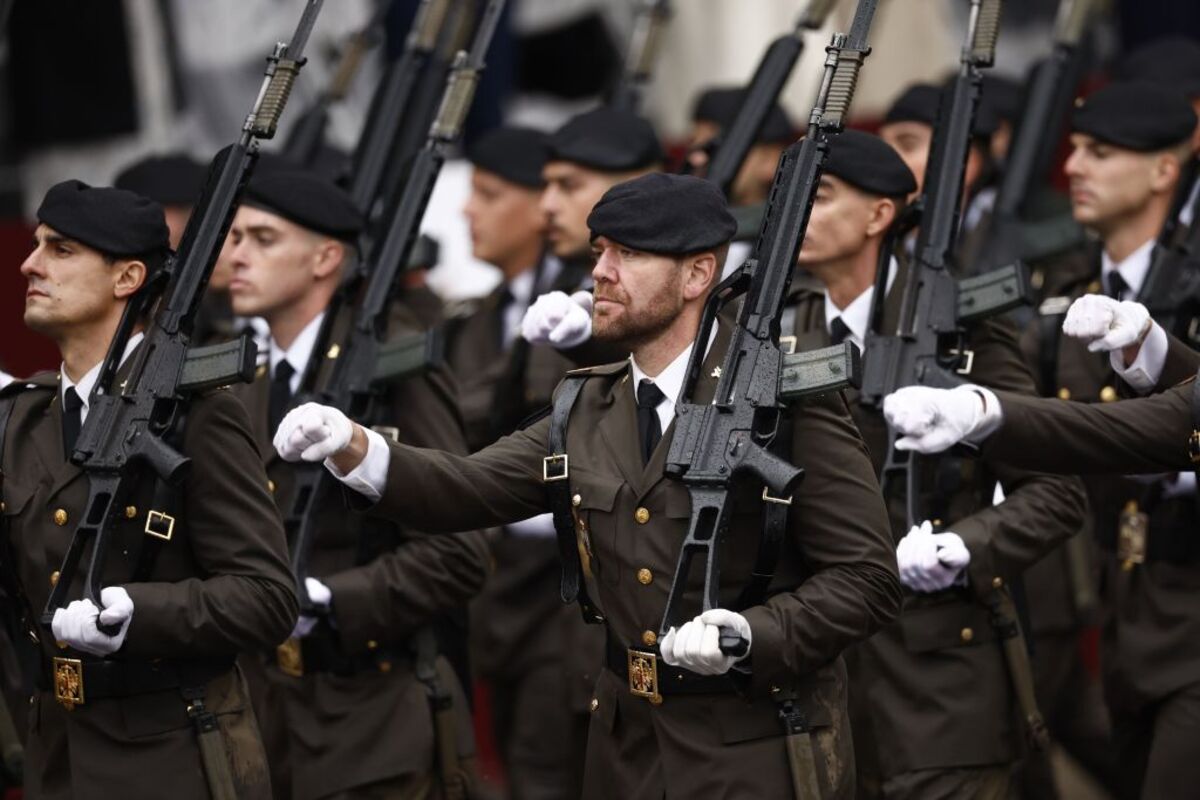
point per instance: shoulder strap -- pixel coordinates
(774, 529)
(556, 475)
(1049, 336)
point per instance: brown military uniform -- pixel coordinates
(519, 625)
(360, 718)
(835, 583)
(1150, 614)
(220, 586)
(932, 691)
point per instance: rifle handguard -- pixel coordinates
(986, 31)
(275, 97)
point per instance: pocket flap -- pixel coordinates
(953, 622)
(15, 497)
(593, 492)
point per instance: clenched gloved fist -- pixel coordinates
(930, 562)
(1106, 324)
(558, 320)
(75, 625)
(312, 432)
(932, 420)
(695, 646)
(321, 597)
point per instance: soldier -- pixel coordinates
(931, 700)
(503, 380)
(714, 110)
(706, 726)
(174, 181)
(125, 713)
(344, 711)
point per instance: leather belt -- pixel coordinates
(649, 676)
(76, 682)
(322, 653)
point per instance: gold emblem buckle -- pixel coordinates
(160, 525)
(555, 468)
(289, 658)
(68, 682)
(1194, 447)
(643, 675)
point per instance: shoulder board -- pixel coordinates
(46, 381)
(601, 369)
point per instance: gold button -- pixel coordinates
(60, 517)
(270, 486)
(130, 512)
(967, 634)
(642, 515)
(997, 582)
(61, 645)
(385, 666)
(54, 578)
(576, 500)
(645, 576)
(372, 645)
(594, 704)
(1094, 287)
(1064, 393)
(937, 523)
(1108, 394)
(3, 507)
(649, 638)
(262, 370)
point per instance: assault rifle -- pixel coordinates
(123, 438)
(715, 442)
(928, 348)
(363, 363)
(652, 18)
(771, 74)
(1171, 290)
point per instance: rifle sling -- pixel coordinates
(441, 707)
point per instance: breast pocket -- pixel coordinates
(601, 540)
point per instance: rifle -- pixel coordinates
(648, 27)
(124, 434)
(363, 362)
(308, 133)
(1171, 290)
(928, 348)
(715, 442)
(1048, 102)
(771, 74)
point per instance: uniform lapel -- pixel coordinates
(619, 429)
(257, 399)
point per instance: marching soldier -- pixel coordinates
(931, 699)
(348, 701)
(714, 110)
(676, 718)
(190, 582)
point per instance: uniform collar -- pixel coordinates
(670, 380)
(1132, 269)
(84, 386)
(857, 315)
(301, 350)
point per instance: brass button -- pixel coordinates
(60, 517)
(130, 512)
(649, 638)
(1064, 393)
(642, 515)
(270, 486)
(260, 371)
(997, 582)
(372, 645)
(3, 507)
(385, 666)
(61, 645)
(645, 576)
(594, 704)
(1095, 287)
(54, 578)
(1108, 394)
(576, 500)
(937, 523)
(967, 634)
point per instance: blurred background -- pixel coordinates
(86, 88)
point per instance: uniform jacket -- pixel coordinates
(222, 585)
(835, 584)
(934, 690)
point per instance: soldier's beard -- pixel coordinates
(634, 326)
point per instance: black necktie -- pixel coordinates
(72, 420)
(1116, 285)
(281, 394)
(649, 426)
(838, 331)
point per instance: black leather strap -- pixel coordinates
(105, 679)
(1049, 336)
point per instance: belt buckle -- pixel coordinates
(68, 682)
(643, 675)
(289, 658)
(1194, 447)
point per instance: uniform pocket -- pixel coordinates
(593, 501)
(951, 622)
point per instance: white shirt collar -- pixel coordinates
(84, 386)
(300, 352)
(669, 381)
(857, 315)
(1132, 269)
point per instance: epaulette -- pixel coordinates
(1055, 306)
(600, 369)
(40, 380)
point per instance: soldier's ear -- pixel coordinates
(129, 275)
(883, 214)
(700, 272)
(328, 258)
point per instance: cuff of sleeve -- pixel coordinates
(369, 478)
(981, 571)
(990, 419)
(766, 660)
(1144, 373)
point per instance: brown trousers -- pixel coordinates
(1158, 746)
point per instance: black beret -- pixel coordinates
(114, 221)
(307, 199)
(170, 180)
(608, 140)
(919, 103)
(1135, 115)
(1172, 61)
(660, 213)
(515, 154)
(720, 105)
(870, 164)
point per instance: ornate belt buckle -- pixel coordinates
(68, 682)
(643, 675)
(289, 658)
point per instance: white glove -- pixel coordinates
(539, 527)
(321, 597)
(312, 432)
(696, 645)
(1106, 324)
(558, 320)
(932, 420)
(75, 625)
(930, 562)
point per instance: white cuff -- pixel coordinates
(989, 420)
(369, 478)
(1143, 374)
(539, 527)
